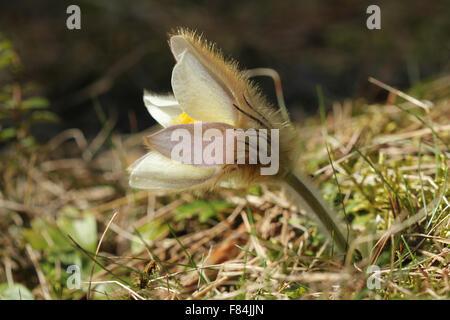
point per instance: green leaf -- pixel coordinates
(16, 292)
(363, 220)
(34, 103)
(28, 142)
(83, 231)
(7, 134)
(60, 240)
(153, 229)
(254, 190)
(35, 236)
(43, 116)
(202, 208)
(149, 231)
(35, 239)
(187, 210)
(357, 205)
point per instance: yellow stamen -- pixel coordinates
(183, 118)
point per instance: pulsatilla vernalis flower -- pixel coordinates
(211, 95)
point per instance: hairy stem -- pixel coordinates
(313, 201)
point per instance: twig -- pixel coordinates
(40, 274)
(96, 253)
(417, 102)
(133, 293)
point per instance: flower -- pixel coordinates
(209, 90)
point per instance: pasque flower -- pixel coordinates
(210, 90)
(206, 89)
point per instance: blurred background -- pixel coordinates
(71, 122)
(122, 49)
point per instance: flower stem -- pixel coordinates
(312, 200)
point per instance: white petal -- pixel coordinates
(156, 172)
(198, 91)
(163, 108)
(163, 142)
(178, 44)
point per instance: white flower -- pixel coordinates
(209, 90)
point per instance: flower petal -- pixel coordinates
(163, 108)
(202, 144)
(199, 92)
(156, 172)
(178, 44)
